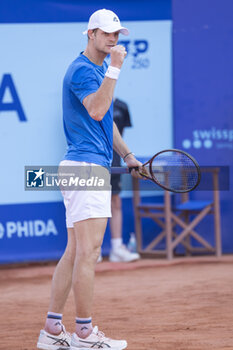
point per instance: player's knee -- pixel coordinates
(89, 254)
(70, 253)
(96, 254)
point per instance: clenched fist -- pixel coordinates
(117, 54)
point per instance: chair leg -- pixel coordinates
(217, 225)
(138, 229)
(168, 226)
(187, 238)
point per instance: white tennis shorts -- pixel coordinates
(85, 204)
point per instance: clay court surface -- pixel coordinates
(153, 304)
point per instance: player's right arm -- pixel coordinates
(97, 104)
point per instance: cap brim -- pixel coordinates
(111, 29)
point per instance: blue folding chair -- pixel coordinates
(178, 221)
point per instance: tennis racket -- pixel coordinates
(172, 169)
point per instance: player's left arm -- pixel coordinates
(123, 150)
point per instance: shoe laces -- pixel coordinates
(122, 247)
(99, 333)
(64, 330)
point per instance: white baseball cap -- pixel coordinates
(107, 21)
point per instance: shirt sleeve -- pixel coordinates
(84, 82)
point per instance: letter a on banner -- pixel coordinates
(15, 105)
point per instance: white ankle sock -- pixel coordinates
(53, 323)
(116, 243)
(83, 327)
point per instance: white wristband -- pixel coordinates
(112, 72)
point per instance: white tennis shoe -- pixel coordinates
(49, 341)
(96, 340)
(122, 254)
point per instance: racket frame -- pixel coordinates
(153, 178)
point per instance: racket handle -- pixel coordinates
(135, 168)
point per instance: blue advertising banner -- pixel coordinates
(38, 40)
(32, 232)
(41, 11)
(203, 92)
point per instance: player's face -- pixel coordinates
(103, 41)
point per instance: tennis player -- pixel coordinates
(91, 136)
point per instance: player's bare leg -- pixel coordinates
(62, 277)
(61, 282)
(89, 237)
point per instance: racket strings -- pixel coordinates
(174, 170)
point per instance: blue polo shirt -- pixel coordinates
(88, 140)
